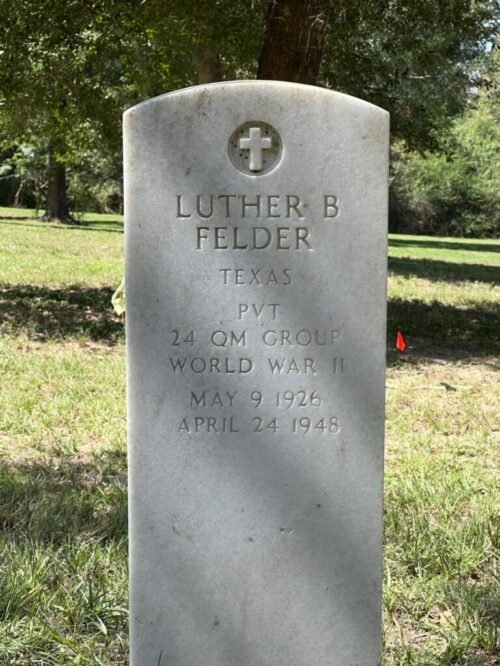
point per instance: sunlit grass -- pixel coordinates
(55, 255)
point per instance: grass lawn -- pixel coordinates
(63, 538)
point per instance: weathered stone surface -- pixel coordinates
(256, 270)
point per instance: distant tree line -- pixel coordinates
(69, 68)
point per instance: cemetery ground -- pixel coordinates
(63, 483)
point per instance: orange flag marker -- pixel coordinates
(400, 343)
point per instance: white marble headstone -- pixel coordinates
(256, 224)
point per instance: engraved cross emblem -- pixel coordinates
(255, 143)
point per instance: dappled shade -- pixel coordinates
(50, 503)
(436, 326)
(447, 271)
(44, 313)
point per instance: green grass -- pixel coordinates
(63, 535)
(441, 596)
(63, 561)
(50, 255)
(98, 221)
(444, 294)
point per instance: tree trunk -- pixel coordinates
(293, 41)
(17, 196)
(209, 67)
(57, 205)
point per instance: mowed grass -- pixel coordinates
(63, 538)
(444, 294)
(49, 255)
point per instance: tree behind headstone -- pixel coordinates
(293, 41)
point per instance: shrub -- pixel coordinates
(455, 191)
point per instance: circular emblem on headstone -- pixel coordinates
(255, 148)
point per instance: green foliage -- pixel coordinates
(68, 70)
(178, 33)
(95, 180)
(415, 59)
(23, 174)
(94, 173)
(455, 191)
(61, 72)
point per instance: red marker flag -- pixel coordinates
(400, 343)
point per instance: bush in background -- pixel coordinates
(454, 191)
(94, 177)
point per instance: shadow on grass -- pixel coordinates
(444, 327)
(447, 271)
(444, 245)
(43, 313)
(100, 225)
(50, 502)
(80, 225)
